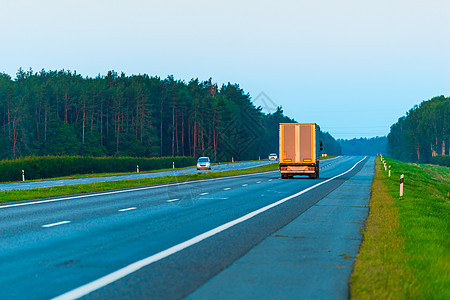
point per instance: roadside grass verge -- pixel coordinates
(406, 250)
(17, 195)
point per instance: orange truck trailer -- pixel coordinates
(299, 149)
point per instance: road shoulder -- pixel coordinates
(311, 257)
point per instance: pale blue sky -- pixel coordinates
(354, 67)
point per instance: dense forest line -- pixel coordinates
(364, 146)
(63, 113)
(423, 133)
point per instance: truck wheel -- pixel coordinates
(283, 176)
(312, 176)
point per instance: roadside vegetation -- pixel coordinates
(41, 167)
(406, 249)
(17, 195)
(62, 113)
(363, 146)
(442, 160)
(423, 133)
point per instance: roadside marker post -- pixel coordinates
(173, 165)
(401, 185)
(389, 171)
(385, 168)
(23, 175)
(137, 169)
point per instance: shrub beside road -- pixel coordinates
(41, 167)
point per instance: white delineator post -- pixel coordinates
(389, 171)
(385, 168)
(137, 169)
(23, 175)
(401, 185)
(173, 165)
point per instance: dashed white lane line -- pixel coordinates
(129, 190)
(244, 184)
(125, 271)
(226, 189)
(258, 182)
(202, 194)
(172, 200)
(55, 224)
(270, 179)
(127, 209)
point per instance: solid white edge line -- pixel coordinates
(127, 209)
(130, 190)
(55, 224)
(114, 276)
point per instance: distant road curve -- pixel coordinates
(187, 171)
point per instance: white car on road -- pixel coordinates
(203, 163)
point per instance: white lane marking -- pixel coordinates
(172, 200)
(258, 182)
(226, 189)
(202, 194)
(244, 184)
(119, 274)
(127, 209)
(270, 179)
(55, 224)
(131, 190)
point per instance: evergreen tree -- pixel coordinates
(423, 132)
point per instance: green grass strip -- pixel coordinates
(328, 157)
(406, 250)
(17, 195)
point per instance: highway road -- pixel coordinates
(176, 172)
(167, 241)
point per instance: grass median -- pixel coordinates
(406, 251)
(328, 157)
(17, 195)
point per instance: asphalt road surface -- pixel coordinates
(187, 239)
(193, 170)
